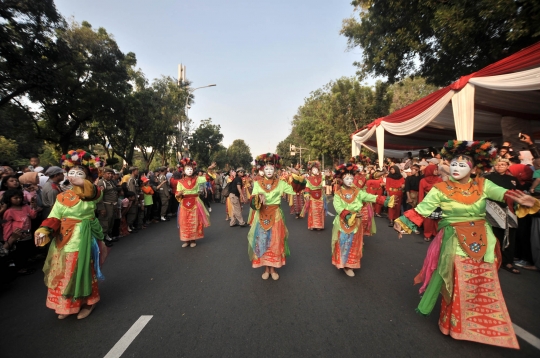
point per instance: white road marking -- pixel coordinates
(124, 342)
(526, 336)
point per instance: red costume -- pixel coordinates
(394, 187)
(429, 180)
(375, 187)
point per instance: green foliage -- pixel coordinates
(50, 155)
(239, 155)
(329, 116)
(438, 40)
(90, 85)
(408, 91)
(70, 86)
(8, 150)
(219, 156)
(205, 142)
(30, 53)
(16, 124)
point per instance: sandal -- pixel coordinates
(427, 239)
(511, 269)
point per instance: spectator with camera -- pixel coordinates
(51, 189)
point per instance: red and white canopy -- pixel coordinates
(470, 108)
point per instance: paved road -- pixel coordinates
(209, 302)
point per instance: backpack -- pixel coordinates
(226, 190)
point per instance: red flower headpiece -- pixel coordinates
(81, 157)
(347, 168)
(314, 164)
(188, 162)
(482, 152)
(269, 158)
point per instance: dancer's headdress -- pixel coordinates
(269, 158)
(188, 162)
(83, 158)
(482, 152)
(314, 164)
(347, 168)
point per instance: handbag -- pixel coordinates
(500, 217)
(226, 191)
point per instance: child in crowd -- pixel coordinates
(17, 221)
(129, 199)
(148, 200)
(17, 215)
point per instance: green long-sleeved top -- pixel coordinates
(273, 197)
(454, 212)
(340, 205)
(195, 190)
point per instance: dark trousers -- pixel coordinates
(173, 205)
(147, 213)
(507, 253)
(156, 208)
(206, 199)
(523, 239)
(116, 228)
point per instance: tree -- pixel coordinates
(328, 117)
(205, 141)
(161, 131)
(30, 52)
(239, 154)
(8, 150)
(219, 156)
(16, 124)
(91, 85)
(438, 40)
(408, 91)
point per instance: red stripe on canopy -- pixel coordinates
(521, 60)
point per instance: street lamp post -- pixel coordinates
(294, 149)
(186, 107)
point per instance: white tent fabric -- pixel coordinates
(463, 107)
(420, 121)
(528, 80)
(360, 138)
(475, 112)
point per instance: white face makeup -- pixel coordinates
(348, 179)
(360, 168)
(76, 172)
(261, 172)
(315, 170)
(269, 171)
(188, 171)
(459, 169)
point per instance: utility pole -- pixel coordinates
(294, 149)
(182, 79)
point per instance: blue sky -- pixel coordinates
(264, 56)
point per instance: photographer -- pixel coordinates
(51, 189)
(525, 138)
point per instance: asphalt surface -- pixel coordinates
(207, 301)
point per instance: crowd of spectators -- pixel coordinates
(131, 200)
